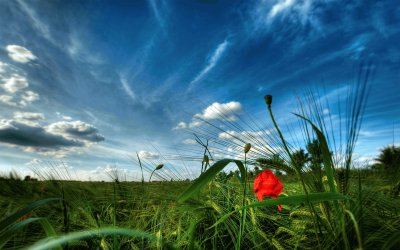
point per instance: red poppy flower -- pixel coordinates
(267, 184)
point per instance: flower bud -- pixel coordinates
(247, 148)
(159, 166)
(268, 100)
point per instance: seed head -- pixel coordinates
(268, 100)
(247, 148)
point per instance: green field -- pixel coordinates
(152, 208)
(328, 201)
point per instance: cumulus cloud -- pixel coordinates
(181, 125)
(221, 111)
(216, 111)
(20, 54)
(15, 83)
(27, 98)
(8, 100)
(28, 117)
(148, 155)
(76, 130)
(189, 142)
(57, 139)
(30, 96)
(20, 134)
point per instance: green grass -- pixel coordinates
(327, 203)
(149, 216)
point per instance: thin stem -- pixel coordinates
(244, 211)
(300, 174)
(152, 174)
(141, 168)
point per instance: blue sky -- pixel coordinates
(90, 83)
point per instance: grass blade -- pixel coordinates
(9, 233)
(290, 200)
(15, 216)
(108, 231)
(326, 154)
(208, 176)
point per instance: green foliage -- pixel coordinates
(388, 160)
(207, 176)
(326, 203)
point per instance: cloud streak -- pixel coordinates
(212, 62)
(127, 89)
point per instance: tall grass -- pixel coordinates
(326, 205)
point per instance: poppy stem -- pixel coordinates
(268, 100)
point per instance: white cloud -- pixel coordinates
(148, 155)
(35, 21)
(56, 140)
(20, 54)
(8, 100)
(279, 7)
(3, 67)
(159, 11)
(299, 13)
(221, 111)
(34, 162)
(64, 117)
(181, 125)
(6, 124)
(15, 83)
(127, 89)
(216, 55)
(245, 135)
(189, 142)
(79, 52)
(28, 97)
(28, 117)
(75, 130)
(195, 123)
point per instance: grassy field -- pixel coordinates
(327, 201)
(153, 209)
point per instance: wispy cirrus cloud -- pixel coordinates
(159, 9)
(35, 20)
(264, 14)
(211, 63)
(127, 89)
(280, 7)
